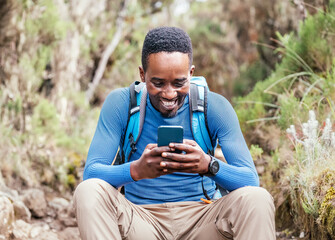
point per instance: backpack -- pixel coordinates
(136, 114)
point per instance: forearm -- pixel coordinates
(231, 177)
(239, 171)
(116, 175)
(104, 145)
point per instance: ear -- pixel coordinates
(142, 73)
(192, 70)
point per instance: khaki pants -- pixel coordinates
(104, 213)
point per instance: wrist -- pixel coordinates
(213, 167)
(208, 162)
(134, 171)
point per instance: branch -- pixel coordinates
(108, 51)
(301, 9)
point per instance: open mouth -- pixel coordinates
(169, 105)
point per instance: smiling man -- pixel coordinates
(163, 189)
(167, 81)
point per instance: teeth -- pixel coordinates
(168, 104)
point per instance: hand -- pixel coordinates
(193, 161)
(148, 166)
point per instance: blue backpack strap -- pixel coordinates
(136, 114)
(198, 112)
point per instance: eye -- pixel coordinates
(158, 84)
(180, 83)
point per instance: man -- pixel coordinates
(163, 189)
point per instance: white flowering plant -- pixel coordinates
(318, 143)
(312, 175)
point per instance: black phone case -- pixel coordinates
(168, 134)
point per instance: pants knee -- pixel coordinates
(257, 193)
(257, 198)
(89, 192)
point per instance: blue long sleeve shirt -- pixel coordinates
(223, 125)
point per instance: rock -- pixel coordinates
(6, 214)
(69, 233)
(25, 231)
(56, 225)
(67, 216)
(21, 211)
(21, 230)
(10, 193)
(49, 235)
(260, 169)
(35, 232)
(51, 212)
(71, 211)
(42, 231)
(2, 181)
(38, 229)
(302, 235)
(34, 199)
(59, 203)
(67, 221)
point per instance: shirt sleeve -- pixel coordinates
(239, 171)
(111, 125)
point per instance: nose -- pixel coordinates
(169, 92)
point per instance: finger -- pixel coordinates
(159, 150)
(180, 158)
(183, 147)
(178, 166)
(151, 146)
(165, 170)
(190, 142)
(177, 157)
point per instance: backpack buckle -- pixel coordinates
(132, 143)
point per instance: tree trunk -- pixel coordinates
(108, 51)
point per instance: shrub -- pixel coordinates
(311, 176)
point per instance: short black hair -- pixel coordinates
(166, 39)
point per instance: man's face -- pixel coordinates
(168, 81)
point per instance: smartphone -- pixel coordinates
(170, 134)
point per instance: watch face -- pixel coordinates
(214, 168)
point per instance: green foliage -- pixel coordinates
(289, 108)
(305, 60)
(329, 84)
(256, 152)
(327, 212)
(316, 36)
(45, 21)
(15, 105)
(248, 111)
(45, 119)
(249, 76)
(302, 81)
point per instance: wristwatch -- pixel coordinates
(213, 167)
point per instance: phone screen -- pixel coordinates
(168, 134)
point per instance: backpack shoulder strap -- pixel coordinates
(136, 114)
(198, 113)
